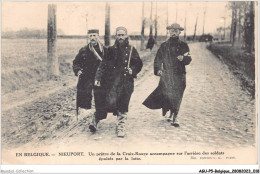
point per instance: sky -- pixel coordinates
(71, 16)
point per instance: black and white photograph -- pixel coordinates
(123, 82)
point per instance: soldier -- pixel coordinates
(85, 66)
(170, 61)
(122, 63)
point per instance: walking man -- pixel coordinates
(150, 43)
(85, 66)
(170, 61)
(122, 63)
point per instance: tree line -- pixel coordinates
(242, 24)
(28, 33)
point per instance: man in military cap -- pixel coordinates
(170, 61)
(85, 66)
(122, 63)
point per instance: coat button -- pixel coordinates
(114, 67)
(126, 54)
(124, 74)
(125, 67)
(125, 60)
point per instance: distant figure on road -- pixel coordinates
(170, 61)
(85, 66)
(121, 65)
(150, 43)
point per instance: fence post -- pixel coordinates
(52, 60)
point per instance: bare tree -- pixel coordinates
(167, 20)
(107, 25)
(176, 20)
(249, 33)
(155, 23)
(87, 25)
(195, 28)
(142, 31)
(52, 60)
(224, 28)
(234, 27)
(151, 19)
(185, 24)
(239, 23)
(204, 18)
(234, 7)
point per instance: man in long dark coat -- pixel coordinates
(170, 61)
(85, 66)
(122, 63)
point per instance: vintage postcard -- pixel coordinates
(129, 82)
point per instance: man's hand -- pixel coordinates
(130, 71)
(159, 72)
(97, 83)
(180, 57)
(79, 72)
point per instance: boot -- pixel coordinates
(93, 124)
(175, 122)
(121, 119)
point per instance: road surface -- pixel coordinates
(215, 112)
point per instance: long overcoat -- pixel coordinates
(168, 95)
(150, 43)
(120, 84)
(88, 63)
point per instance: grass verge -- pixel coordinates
(240, 63)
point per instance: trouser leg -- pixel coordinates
(93, 123)
(84, 94)
(170, 117)
(121, 121)
(175, 121)
(100, 103)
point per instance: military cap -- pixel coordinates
(175, 26)
(93, 31)
(121, 28)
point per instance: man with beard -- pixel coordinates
(85, 66)
(170, 61)
(121, 65)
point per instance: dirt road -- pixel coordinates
(215, 112)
